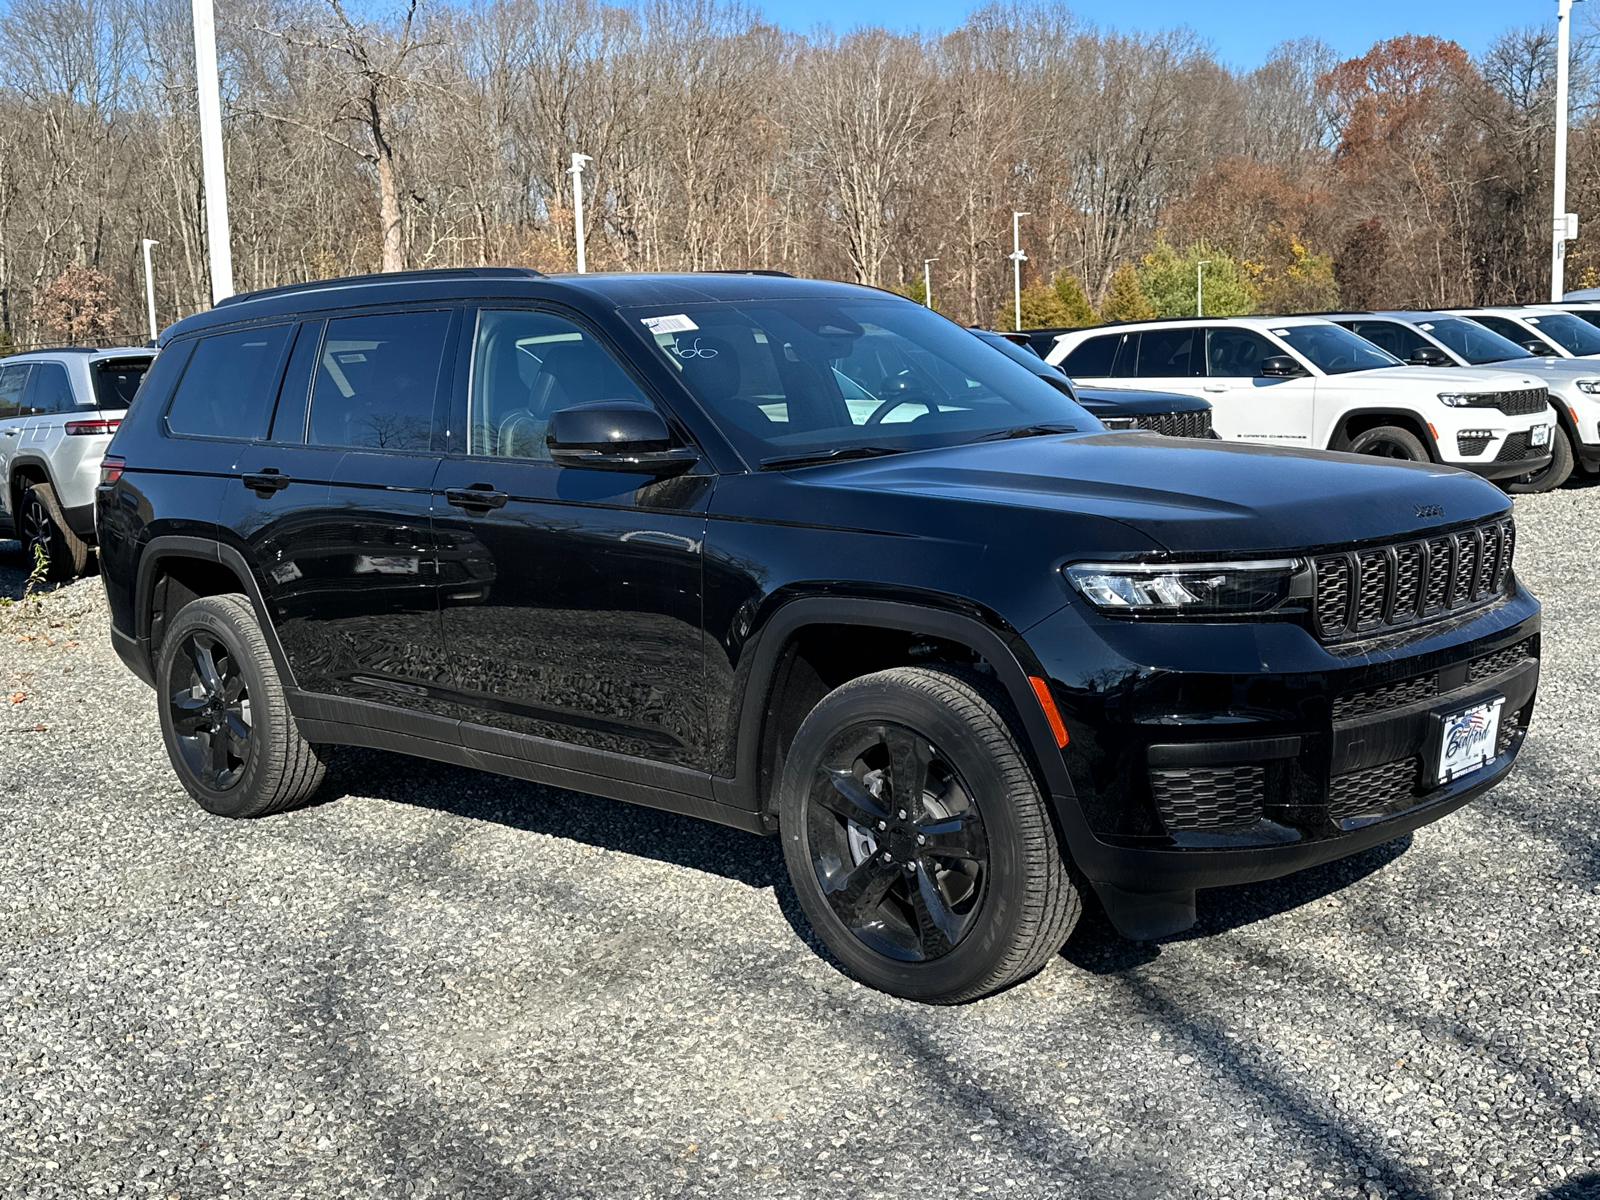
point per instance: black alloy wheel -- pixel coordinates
(1389, 441)
(43, 530)
(897, 842)
(209, 705)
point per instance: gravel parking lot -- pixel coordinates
(441, 983)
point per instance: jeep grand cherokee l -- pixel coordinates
(804, 559)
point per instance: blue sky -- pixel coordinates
(1242, 32)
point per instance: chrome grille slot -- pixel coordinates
(1440, 557)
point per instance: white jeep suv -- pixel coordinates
(1426, 339)
(58, 410)
(1303, 381)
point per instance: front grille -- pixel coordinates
(1208, 798)
(1368, 591)
(1473, 445)
(1500, 660)
(1515, 448)
(1177, 424)
(1524, 403)
(1380, 699)
(1372, 788)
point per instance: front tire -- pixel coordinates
(918, 840)
(42, 528)
(1390, 441)
(1554, 475)
(229, 733)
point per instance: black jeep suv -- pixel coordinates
(804, 559)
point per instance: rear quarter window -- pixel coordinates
(1094, 358)
(228, 387)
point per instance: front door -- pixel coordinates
(571, 596)
(1248, 406)
(13, 383)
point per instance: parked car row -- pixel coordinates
(809, 560)
(1510, 393)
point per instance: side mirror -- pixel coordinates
(1279, 366)
(616, 435)
(1429, 356)
(1535, 346)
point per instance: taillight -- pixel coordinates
(98, 425)
(111, 468)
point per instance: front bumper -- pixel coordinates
(1500, 470)
(1252, 752)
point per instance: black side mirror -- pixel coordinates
(616, 435)
(1429, 356)
(1535, 346)
(1279, 366)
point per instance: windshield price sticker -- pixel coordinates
(1468, 739)
(676, 323)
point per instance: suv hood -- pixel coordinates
(1188, 496)
(1135, 401)
(1436, 379)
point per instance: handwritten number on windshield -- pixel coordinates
(694, 351)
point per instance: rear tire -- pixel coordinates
(1554, 475)
(42, 526)
(918, 839)
(1390, 441)
(232, 740)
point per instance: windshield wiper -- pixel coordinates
(1024, 431)
(823, 456)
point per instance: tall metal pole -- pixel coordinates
(1199, 288)
(149, 285)
(1560, 225)
(577, 206)
(1017, 259)
(218, 243)
(927, 282)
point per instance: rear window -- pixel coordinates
(228, 386)
(117, 379)
(376, 380)
(1093, 358)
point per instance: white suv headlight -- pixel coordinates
(1191, 589)
(1469, 400)
(1589, 386)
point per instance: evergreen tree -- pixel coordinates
(1070, 292)
(1124, 300)
(1168, 279)
(1042, 308)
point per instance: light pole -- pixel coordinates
(578, 160)
(1017, 258)
(149, 284)
(927, 282)
(1199, 288)
(218, 244)
(1565, 225)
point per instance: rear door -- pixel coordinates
(1169, 360)
(1248, 406)
(13, 384)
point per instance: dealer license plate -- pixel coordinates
(1541, 435)
(1467, 739)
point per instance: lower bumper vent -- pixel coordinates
(1372, 788)
(1208, 798)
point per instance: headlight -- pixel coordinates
(1468, 400)
(1589, 386)
(1191, 589)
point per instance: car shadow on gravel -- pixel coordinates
(1584, 1187)
(12, 574)
(1096, 947)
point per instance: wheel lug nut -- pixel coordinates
(887, 857)
(902, 814)
(883, 825)
(921, 841)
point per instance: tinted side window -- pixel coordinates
(51, 391)
(13, 382)
(1507, 329)
(1386, 335)
(376, 380)
(1094, 358)
(1236, 353)
(525, 365)
(289, 418)
(228, 387)
(1166, 353)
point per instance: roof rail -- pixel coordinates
(313, 285)
(748, 271)
(61, 350)
(1329, 312)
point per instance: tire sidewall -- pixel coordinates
(1391, 433)
(244, 798)
(1553, 475)
(982, 951)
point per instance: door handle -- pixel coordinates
(479, 495)
(1216, 387)
(267, 481)
(10, 432)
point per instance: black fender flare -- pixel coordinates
(162, 549)
(1429, 442)
(1002, 648)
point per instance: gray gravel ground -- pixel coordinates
(440, 983)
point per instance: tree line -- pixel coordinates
(440, 135)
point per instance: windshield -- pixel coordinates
(806, 376)
(1565, 330)
(1334, 350)
(1472, 341)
